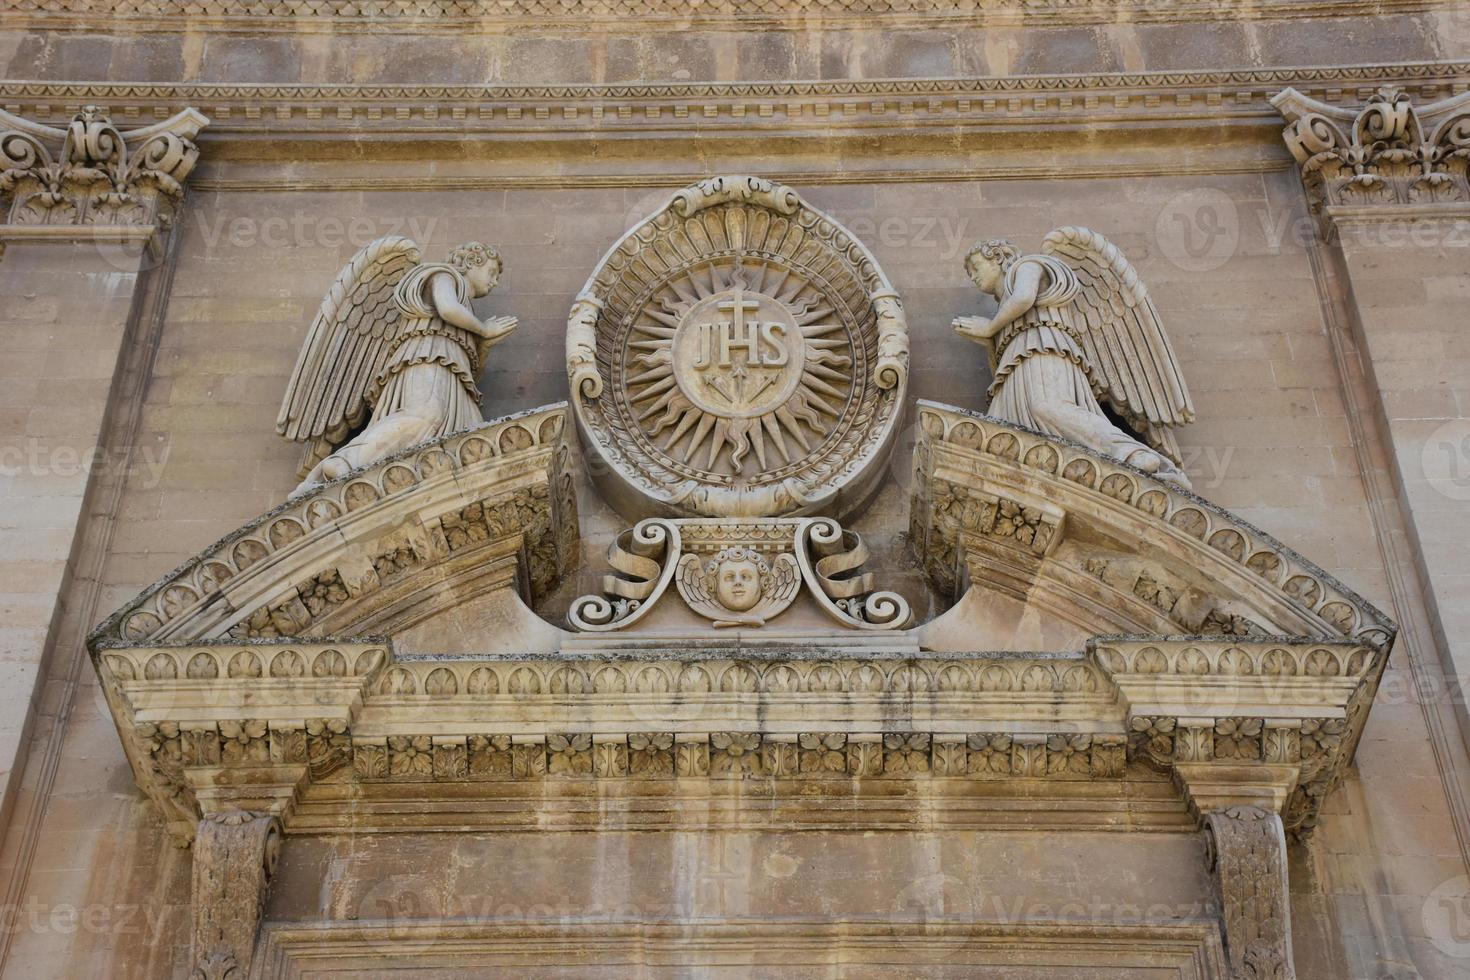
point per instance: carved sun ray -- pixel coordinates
(740, 363)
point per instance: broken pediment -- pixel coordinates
(1111, 651)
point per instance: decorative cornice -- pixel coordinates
(1388, 153)
(436, 16)
(91, 174)
(1099, 99)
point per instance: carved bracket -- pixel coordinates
(1247, 854)
(235, 856)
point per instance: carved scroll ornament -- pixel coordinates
(92, 173)
(737, 354)
(740, 573)
(1387, 152)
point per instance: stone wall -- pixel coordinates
(1320, 373)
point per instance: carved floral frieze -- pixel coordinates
(207, 720)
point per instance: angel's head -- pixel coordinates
(735, 576)
(986, 263)
(480, 264)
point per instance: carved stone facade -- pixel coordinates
(733, 618)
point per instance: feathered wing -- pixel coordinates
(345, 347)
(1132, 360)
(784, 579)
(694, 586)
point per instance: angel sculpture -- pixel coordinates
(395, 337)
(1075, 328)
(738, 586)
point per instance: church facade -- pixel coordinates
(811, 488)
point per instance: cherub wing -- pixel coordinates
(347, 343)
(785, 578)
(1123, 338)
(693, 585)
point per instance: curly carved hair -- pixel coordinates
(996, 250)
(712, 567)
(472, 255)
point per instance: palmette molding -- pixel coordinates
(992, 502)
(91, 174)
(495, 504)
(283, 725)
(738, 353)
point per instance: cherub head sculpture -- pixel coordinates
(481, 265)
(735, 578)
(987, 261)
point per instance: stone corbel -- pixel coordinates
(92, 181)
(235, 856)
(1247, 857)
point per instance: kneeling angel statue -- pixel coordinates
(1075, 329)
(396, 343)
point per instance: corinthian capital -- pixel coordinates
(92, 174)
(1386, 152)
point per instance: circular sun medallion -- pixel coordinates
(742, 345)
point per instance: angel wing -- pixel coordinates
(692, 582)
(779, 587)
(1123, 338)
(346, 346)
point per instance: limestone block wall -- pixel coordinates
(1290, 393)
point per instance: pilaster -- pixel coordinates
(1388, 181)
(84, 214)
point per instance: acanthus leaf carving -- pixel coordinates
(1247, 854)
(93, 174)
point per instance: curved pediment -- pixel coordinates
(488, 509)
(1000, 509)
